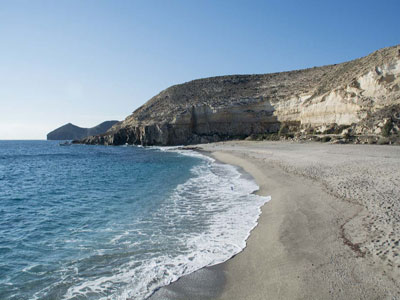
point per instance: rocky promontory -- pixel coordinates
(356, 101)
(72, 132)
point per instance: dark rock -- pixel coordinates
(71, 132)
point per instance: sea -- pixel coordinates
(106, 222)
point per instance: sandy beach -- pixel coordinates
(331, 230)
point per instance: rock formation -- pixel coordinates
(358, 100)
(71, 132)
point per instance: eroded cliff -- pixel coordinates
(358, 99)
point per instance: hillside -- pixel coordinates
(72, 132)
(359, 101)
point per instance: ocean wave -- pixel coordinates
(203, 222)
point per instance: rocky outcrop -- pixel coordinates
(71, 132)
(359, 96)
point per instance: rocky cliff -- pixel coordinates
(70, 131)
(357, 100)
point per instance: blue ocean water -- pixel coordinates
(95, 222)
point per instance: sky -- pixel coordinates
(87, 61)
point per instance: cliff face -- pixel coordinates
(362, 95)
(70, 131)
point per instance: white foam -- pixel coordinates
(217, 202)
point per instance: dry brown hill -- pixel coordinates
(361, 97)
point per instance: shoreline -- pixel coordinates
(206, 283)
(308, 241)
(280, 237)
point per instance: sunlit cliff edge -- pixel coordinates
(356, 101)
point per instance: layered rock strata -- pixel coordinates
(361, 97)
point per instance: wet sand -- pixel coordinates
(331, 230)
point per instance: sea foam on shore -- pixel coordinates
(214, 213)
(86, 222)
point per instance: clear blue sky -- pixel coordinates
(85, 61)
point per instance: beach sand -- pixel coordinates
(331, 230)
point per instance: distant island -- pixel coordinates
(72, 132)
